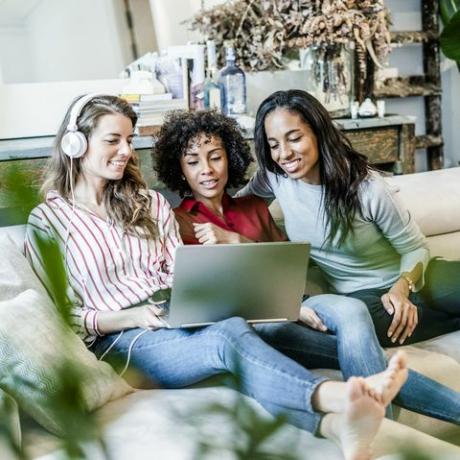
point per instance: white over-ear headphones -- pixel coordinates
(74, 143)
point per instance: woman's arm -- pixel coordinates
(168, 230)
(258, 185)
(399, 228)
(145, 317)
(209, 233)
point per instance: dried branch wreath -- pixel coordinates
(265, 31)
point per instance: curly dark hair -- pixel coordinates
(180, 128)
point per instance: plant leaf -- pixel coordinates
(448, 8)
(450, 38)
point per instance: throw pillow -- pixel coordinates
(10, 429)
(33, 343)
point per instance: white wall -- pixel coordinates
(168, 17)
(15, 57)
(74, 40)
(62, 40)
(37, 109)
(406, 15)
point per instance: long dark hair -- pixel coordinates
(341, 168)
(127, 200)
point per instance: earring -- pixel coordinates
(182, 177)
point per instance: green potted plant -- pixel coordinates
(450, 36)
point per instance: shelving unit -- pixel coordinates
(427, 85)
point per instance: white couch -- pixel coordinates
(150, 423)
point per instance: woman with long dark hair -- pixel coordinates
(362, 237)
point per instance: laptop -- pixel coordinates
(261, 282)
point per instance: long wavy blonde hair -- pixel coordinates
(127, 200)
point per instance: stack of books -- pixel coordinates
(151, 109)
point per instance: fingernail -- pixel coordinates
(393, 340)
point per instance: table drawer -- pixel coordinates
(379, 145)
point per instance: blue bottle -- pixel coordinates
(232, 81)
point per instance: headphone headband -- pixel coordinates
(73, 142)
(77, 108)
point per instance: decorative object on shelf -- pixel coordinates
(263, 31)
(330, 76)
(354, 107)
(380, 108)
(367, 109)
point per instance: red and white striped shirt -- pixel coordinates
(107, 269)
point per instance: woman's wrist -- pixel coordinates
(401, 287)
(409, 281)
(114, 321)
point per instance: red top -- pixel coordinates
(249, 216)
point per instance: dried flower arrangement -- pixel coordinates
(264, 31)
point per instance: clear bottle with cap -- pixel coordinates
(232, 81)
(212, 90)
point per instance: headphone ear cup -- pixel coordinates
(74, 144)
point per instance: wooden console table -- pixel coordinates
(388, 142)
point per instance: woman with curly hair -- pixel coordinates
(200, 155)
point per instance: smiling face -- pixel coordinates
(205, 167)
(109, 149)
(293, 145)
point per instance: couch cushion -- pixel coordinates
(446, 245)
(433, 198)
(447, 344)
(15, 232)
(10, 430)
(167, 424)
(34, 341)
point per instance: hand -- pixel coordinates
(405, 316)
(148, 317)
(310, 318)
(212, 234)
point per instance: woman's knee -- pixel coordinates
(339, 306)
(235, 325)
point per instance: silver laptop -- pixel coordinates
(261, 282)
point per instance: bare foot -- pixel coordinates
(355, 428)
(386, 385)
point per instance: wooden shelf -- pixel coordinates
(406, 87)
(427, 85)
(411, 37)
(425, 141)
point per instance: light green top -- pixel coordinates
(385, 240)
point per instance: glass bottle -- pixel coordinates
(330, 76)
(212, 90)
(232, 81)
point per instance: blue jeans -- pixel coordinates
(359, 353)
(176, 358)
(438, 304)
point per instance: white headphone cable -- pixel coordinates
(110, 346)
(72, 213)
(130, 348)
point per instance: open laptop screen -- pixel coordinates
(257, 281)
